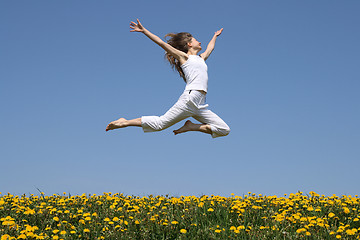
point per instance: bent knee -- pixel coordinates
(225, 131)
(220, 132)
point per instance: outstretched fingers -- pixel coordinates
(136, 27)
(132, 26)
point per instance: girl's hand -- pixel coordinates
(218, 32)
(136, 27)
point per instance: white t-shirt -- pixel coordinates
(195, 71)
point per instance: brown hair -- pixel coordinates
(179, 41)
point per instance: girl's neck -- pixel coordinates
(193, 52)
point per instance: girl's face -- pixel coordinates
(195, 44)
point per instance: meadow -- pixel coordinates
(116, 216)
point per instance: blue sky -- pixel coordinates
(284, 75)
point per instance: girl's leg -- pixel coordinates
(196, 99)
(122, 122)
(190, 126)
(211, 124)
(173, 115)
(176, 113)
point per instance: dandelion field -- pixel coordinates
(115, 216)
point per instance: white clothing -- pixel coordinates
(195, 71)
(190, 104)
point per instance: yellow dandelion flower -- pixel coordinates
(183, 231)
(29, 211)
(8, 223)
(331, 215)
(137, 222)
(56, 219)
(300, 230)
(174, 222)
(210, 210)
(86, 230)
(218, 231)
(21, 236)
(338, 236)
(321, 224)
(5, 237)
(279, 217)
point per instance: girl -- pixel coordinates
(181, 51)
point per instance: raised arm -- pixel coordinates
(211, 45)
(179, 55)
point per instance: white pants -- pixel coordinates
(190, 104)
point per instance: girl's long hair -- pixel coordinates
(179, 41)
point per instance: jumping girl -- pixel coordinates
(181, 51)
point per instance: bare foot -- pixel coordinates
(188, 126)
(120, 123)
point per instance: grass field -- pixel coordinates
(115, 216)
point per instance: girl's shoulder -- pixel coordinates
(192, 59)
(184, 59)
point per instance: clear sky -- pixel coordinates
(284, 75)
